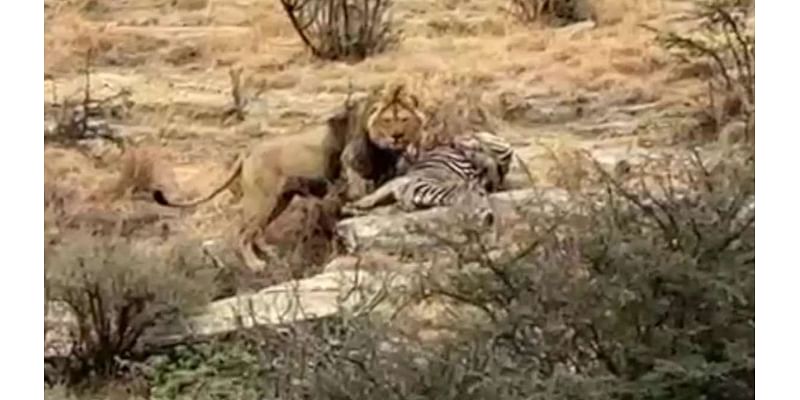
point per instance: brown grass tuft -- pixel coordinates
(570, 168)
(67, 37)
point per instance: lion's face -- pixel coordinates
(395, 123)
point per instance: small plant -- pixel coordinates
(88, 118)
(342, 29)
(239, 102)
(726, 46)
(115, 293)
(206, 371)
(241, 96)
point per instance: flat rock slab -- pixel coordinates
(422, 230)
(342, 288)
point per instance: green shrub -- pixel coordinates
(207, 371)
(116, 292)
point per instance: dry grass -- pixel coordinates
(175, 57)
(67, 36)
(177, 67)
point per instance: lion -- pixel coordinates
(362, 144)
(274, 171)
(305, 231)
(110, 207)
(141, 170)
(391, 128)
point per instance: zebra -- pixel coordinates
(461, 173)
(481, 155)
(488, 150)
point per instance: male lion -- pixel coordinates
(391, 126)
(366, 139)
(275, 171)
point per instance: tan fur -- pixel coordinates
(361, 139)
(389, 124)
(100, 212)
(306, 230)
(272, 172)
(141, 170)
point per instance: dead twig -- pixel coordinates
(87, 119)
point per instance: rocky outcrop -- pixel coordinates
(348, 284)
(422, 231)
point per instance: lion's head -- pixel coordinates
(394, 120)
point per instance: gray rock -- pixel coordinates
(423, 231)
(340, 289)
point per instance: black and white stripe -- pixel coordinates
(461, 173)
(425, 192)
(442, 175)
(488, 143)
(455, 161)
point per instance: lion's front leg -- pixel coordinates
(355, 169)
(357, 186)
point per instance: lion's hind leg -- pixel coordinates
(246, 246)
(291, 187)
(297, 186)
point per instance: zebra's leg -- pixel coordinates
(489, 171)
(384, 194)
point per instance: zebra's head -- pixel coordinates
(474, 205)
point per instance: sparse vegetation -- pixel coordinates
(239, 102)
(241, 96)
(342, 29)
(725, 47)
(89, 117)
(116, 292)
(640, 288)
(655, 301)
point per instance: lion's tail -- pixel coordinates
(235, 170)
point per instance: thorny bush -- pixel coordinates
(116, 292)
(342, 29)
(89, 117)
(726, 45)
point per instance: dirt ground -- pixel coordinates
(607, 88)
